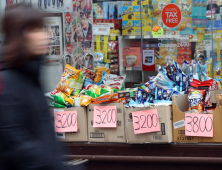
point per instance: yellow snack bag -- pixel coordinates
(66, 83)
(85, 100)
(98, 76)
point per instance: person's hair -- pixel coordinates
(18, 20)
(86, 13)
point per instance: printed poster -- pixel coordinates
(53, 5)
(53, 28)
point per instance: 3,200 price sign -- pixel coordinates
(105, 116)
(199, 125)
(66, 121)
(146, 121)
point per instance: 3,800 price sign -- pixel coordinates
(105, 116)
(66, 121)
(199, 125)
(146, 121)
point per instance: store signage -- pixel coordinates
(68, 17)
(69, 48)
(149, 60)
(145, 121)
(199, 125)
(171, 15)
(101, 29)
(66, 121)
(105, 116)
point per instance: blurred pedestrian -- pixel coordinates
(27, 138)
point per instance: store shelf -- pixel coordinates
(137, 37)
(181, 156)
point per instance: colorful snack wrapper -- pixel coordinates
(149, 87)
(150, 99)
(85, 100)
(57, 96)
(105, 89)
(107, 98)
(143, 98)
(158, 93)
(196, 98)
(139, 95)
(167, 94)
(69, 74)
(170, 73)
(56, 105)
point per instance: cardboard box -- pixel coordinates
(81, 135)
(112, 10)
(166, 130)
(214, 94)
(180, 106)
(127, 28)
(106, 134)
(127, 13)
(119, 11)
(105, 10)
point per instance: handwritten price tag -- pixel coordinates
(146, 121)
(105, 116)
(66, 121)
(199, 125)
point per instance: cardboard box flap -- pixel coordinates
(213, 94)
(217, 124)
(181, 105)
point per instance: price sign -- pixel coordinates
(66, 121)
(146, 121)
(105, 116)
(199, 125)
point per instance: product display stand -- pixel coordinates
(149, 156)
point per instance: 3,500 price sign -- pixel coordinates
(146, 121)
(66, 121)
(199, 125)
(105, 116)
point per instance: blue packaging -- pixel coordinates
(119, 10)
(105, 10)
(158, 93)
(144, 97)
(139, 95)
(167, 94)
(112, 6)
(150, 99)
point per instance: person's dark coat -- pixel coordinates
(27, 137)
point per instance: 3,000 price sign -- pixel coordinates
(146, 121)
(66, 121)
(105, 116)
(199, 125)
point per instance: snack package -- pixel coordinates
(85, 100)
(150, 99)
(69, 76)
(107, 98)
(113, 47)
(88, 82)
(150, 88)
(167, 94)
(57, 96)
(139, 95)
(56, 105)
(144, 97)
(93, 91)
(98, 57)
(158, 93)
(106, 90)
(196, 98)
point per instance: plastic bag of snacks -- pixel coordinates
(66, 83)
(57, 96)
(196, 98)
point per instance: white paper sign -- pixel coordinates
(101, 30)
(148, 57)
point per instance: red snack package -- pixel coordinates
(196, 98)
(113, 47)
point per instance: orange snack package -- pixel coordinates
(66, 82)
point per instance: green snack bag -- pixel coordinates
(57, 96)
(56, 105)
